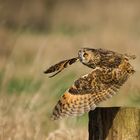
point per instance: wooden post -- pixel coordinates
(114, 123)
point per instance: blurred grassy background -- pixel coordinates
(38, 33)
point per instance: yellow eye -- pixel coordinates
(85, 54)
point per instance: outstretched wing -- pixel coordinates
(90, 90)
(60, 66)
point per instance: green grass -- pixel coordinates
(60, 85)
(18, 85)
(28, 95)
(134, 98)
(1, 78)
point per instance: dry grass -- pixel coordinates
(28, 96)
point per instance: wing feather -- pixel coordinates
(57, 68)
(89, 90)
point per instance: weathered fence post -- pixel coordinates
(114, 123)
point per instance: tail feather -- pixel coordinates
(129, 57)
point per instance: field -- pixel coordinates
(27, 96)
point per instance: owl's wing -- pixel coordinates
(60, 66)
(87, 92)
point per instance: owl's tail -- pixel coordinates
(73, 105)
(130, 57)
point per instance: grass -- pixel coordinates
(17, 85)
(1, 78)
(28, 96)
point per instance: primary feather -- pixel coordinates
(89, 90)
(110, 71)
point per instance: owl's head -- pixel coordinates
(89, 56)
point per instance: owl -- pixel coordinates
(109, 71)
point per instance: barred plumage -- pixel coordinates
(110, 72)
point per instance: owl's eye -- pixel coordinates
(85, 54)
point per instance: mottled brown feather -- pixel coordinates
(60, 66)
(110, 71)
(85, 94)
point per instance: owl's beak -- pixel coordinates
(80, 55)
